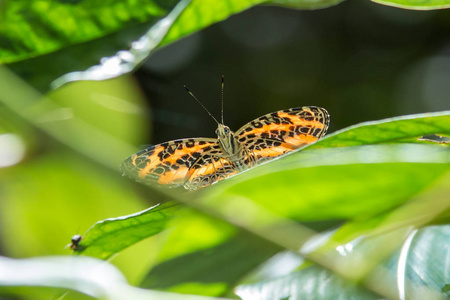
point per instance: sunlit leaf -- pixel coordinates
(393, 130)
(417, 5)
(110, 236)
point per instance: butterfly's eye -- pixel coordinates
(227, 130)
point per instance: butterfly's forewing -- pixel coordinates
(171, 163)
(280, 132)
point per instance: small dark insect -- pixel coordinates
(76, 239)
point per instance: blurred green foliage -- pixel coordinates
(361, 214)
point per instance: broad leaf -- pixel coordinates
(29, 29)
(310, 184)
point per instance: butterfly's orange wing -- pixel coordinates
(283, 131)
(192, 163)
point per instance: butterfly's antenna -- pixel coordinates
(201, 104)
(223, 79)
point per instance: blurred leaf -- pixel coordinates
(60, 123)
(408, 128)
(110, 236)
(416, 272)
(429, 207)
(214, 256)
(309, 283)
(213, 271)
(302, 4)
(86, 275)
(421, 262)
(115, 107)
(414, 267)
(64, 188)
(30, 29)
(418, 5)
(61, 191)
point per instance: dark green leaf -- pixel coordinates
(213, 271)
(29, 29)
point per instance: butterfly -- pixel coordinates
(199, 162)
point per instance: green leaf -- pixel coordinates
(110, 236)
(315, 4)
(213, 271)
(214, 256)
(384, 176)
(125, 61)
(415, 271)
(392, 130)
(111, 55)
(85, 275)
(29, 29)
(417, 5)
(420, 261)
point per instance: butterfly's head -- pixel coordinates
(224, 132)
(226, 139)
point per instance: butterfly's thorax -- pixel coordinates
(231, 147)
(227, 141)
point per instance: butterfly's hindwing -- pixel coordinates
(168, 163)
(210, 170)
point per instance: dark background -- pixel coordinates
(360, 60)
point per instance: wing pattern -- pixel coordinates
(192, 163)
(283, 131)
(199, 162)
